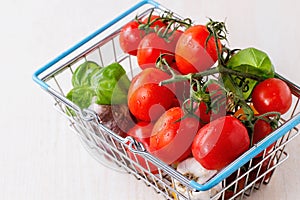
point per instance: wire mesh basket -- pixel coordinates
(239, 179)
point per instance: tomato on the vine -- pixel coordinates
(192, 53)
(220, 142)
(154, 45)
(272, 95)
(260, 131)
(146, 99)
(149, 50)
(130, 37)
(215, 109)
(131, 34)
(172, 136)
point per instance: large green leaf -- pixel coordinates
(81, 96)
(250, 61)
(84, 72)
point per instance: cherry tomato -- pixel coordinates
(149, 50)
(172, 136)
(220, 142)
(149, 101)
(260, 131)
(146, 99)
(270, 95)
(130, 37)
(203, 113)
(151, 75)
(141, 132)
(216, 110)
(192, 54)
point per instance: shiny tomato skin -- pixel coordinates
(191, 54)
(149, 75)
(149, 101)
(203, 114)
(130, 37)
(260, 131)
(149, 50)
(171, 137)
(220, 142)
(217, 110)
(146, 99)
(271, 95)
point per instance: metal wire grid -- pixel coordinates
(105, 147)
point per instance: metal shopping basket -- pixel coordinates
(102, 47)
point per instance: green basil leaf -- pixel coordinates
(81, 96)
(111, 84)
(83, 73)
(250, 61)
(253, 61)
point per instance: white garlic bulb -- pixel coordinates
(195, 171)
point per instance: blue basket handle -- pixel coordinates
(227, 171)
(44, 85)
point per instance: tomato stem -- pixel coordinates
(173, 23)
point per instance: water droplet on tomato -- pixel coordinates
(190, 44)
(139, 103)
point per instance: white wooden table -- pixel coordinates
(40, 158)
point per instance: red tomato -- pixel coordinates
(130, 37)
(141, 132)
(151, 75)
(172, 137)
(149, 101)
(149, 50)
(203, 114)
(217, 110)
(191, 54)
(220, 142)
(270, 95)
(260, 131)
(146, 99)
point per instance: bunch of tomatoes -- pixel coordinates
(186, 100)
